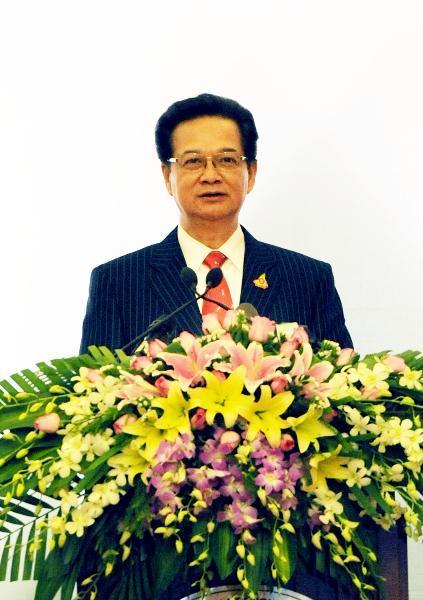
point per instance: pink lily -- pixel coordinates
(187, 367)
(300, 334)
(260, 368)
(155, 347)
(211, 323)
(302, 365)
(140, 362)
(321, 371)
(136, 387)
(302, 361)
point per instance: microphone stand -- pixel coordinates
(165, 318)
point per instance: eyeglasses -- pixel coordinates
(222, 161)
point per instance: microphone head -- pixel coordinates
(189, 277)
(214, 277)
(249, 309)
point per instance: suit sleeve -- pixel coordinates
(102, 323)
(329, 313)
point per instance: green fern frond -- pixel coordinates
(23, 546)
(17, 548)
(59, 372)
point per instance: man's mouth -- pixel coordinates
(212, 195)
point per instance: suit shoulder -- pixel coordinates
(297, 258)
(126, 261)
(137, 257)
(123, 260)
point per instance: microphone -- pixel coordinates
(189, 278)
(214, 277)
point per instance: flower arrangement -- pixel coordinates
(242, 453)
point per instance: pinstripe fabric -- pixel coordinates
(129, 292)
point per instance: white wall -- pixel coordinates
(337, 93)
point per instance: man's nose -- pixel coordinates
(210, 173)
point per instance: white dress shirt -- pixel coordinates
(234, 249)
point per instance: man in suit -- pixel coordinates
(207, 148)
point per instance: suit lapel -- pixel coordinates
(259, 260)
(166, 263)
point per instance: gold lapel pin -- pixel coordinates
(261, 282)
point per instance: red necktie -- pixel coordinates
(220, 292)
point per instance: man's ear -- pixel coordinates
(252, 172)
(166, 177)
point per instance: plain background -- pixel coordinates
(336, 90)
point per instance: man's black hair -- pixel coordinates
(201, 106)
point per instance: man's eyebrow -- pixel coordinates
(201, 152)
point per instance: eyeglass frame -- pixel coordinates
(175, 160)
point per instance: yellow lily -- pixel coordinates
(327, 465)
(149, 436)
(129, 461)
(309, 427)
(264, 415)
(175, 410)
(221, 397)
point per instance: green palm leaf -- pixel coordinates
(20, 557)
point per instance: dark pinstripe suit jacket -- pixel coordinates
(129, 292)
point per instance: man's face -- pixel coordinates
(209, 194)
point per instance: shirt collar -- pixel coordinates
(195, 252)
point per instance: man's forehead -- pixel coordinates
(213, 132)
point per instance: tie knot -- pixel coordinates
(214, 259)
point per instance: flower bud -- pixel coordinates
(48, 423)
(211, 525)
(230, 439)
(123, 421)
(315, 540)
(125, 537)
(329, 416)
(247, 537)
(395, 363)
(155, 347)
(198, 419)
(261, 328)
(22, 452)
(50, 407)
(287, 442)
(197, 538)
(30, 436)
(345, 357)
(162, 384)
(140, 362)
(261, 493)
(20, 488)
(126, 552)
(279, 384)
(211, 324)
